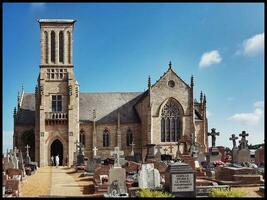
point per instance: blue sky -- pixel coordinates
(116, 47)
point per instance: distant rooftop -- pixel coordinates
(57, 20)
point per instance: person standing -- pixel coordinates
(57, 160)
(52, 160)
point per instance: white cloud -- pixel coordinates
(252, 46)
(259, 104)
(250, 119)
(209, 58)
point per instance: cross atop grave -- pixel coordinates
(213, 135)
(234, 138)
(243, 142)
(27, 150)
(165, 150)
(171, 147)
(243, 135)
(116, 153)
(132, 151)
(94, 150)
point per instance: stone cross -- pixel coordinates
(243, 134)
(132, 151)
(234, 138)
(165, 150)
(27, 150)
(171, 147)
(94, 150)
(243, 142)
(213, 136)
(117, 153)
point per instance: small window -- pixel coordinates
(171, 83)
(105, 138)
(56, 103)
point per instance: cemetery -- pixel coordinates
(189, 174)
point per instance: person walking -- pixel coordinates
(57, 160)
(52, 160)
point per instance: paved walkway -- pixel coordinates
(62, 184)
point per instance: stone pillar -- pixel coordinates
(119, 131)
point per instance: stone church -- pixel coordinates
(57, 115)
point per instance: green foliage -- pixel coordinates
(220, 192)
(152, 193)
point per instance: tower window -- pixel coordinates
(61, 47)
(53, 47)
(129, 139)
(46, 47)
(69, 47)
(105, 138)
(82, 137)
(56, 103)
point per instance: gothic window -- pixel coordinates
(82, 137)
(46, 47)
(56, 103)
(129, 139)
(53, 47)
(105, 138)
(69, 46)
(61, 47)
(170, 122)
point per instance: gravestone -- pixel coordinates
(150, 152)
(234, 149)
(148, 176)
(116, 180)
(90, 167)
(214, 153)
(118, 161)
(243, 154)
(158, 153)
(180, 180)
(21, 163)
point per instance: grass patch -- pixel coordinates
(153, 193)
(222, 192)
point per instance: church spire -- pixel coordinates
(18, 101)
(201, 97)
(192, 81)
(15, 112)
(170, 65)
(204, 100)
(149, 82)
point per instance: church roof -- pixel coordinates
(105, 104)
(26, 114)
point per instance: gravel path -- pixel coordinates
(38, 184)
(51, 182)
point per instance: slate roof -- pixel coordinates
(105, 104)
(26, 115)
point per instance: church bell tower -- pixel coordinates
(56, 94)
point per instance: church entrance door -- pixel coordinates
(57, 149)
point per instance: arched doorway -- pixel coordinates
(57, 149)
